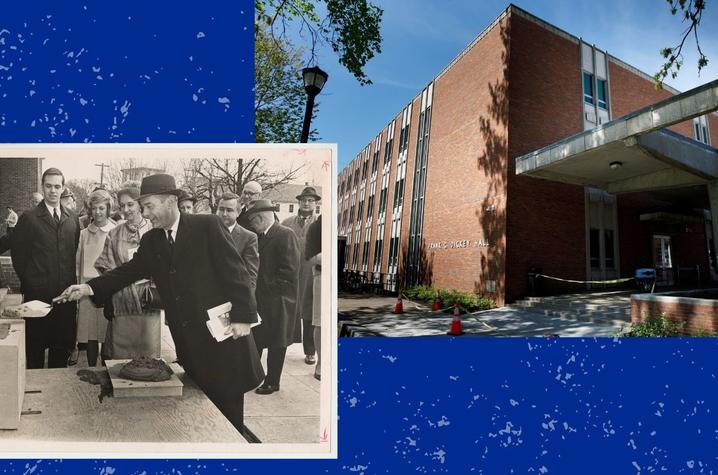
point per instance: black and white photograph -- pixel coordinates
(167, 300)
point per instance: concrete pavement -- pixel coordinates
(373, 316)
(290, 415)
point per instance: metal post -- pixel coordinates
(307, 118)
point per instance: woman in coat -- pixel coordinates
(131, 331)
(91, 323)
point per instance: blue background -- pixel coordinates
(429, 405)
(127, 72)
(499, 405)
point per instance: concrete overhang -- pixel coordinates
(645, 155)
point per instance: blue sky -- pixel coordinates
(420, 37)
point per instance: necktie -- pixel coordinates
(54, 214)
(170, 239)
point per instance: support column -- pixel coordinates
(713, 198)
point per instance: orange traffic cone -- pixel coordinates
(437, 302)
(456, 323)
(399, 307)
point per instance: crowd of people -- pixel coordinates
(142, 249)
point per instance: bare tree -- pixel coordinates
(81, 188)
(208, 178)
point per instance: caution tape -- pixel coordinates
(612, 281)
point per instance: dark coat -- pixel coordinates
(304, 296)
(5, 241)
(246, 242)
(202, 271)
(43, 255)
(277, 283)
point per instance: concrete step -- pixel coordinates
(586, 309)
(602, 318)
(579, 301)
(576, 307)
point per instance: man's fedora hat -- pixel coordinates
(261, 205)
(159, 184)
(184, 196)
(309, 192)
(66, 193)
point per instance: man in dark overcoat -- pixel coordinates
(44, 244)
(245, 240)
(299, 223)
(250, 191)
(195, 266)
(277, 283)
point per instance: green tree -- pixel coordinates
(279, 97)
(692, 12)
(350, 27)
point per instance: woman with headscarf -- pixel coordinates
(91, 323)
(132, 331)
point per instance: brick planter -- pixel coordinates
(698, 308)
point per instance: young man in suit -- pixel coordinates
(44, 245)
(195, 265)
(277, 283)
(245, 240)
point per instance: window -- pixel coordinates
(382, 200)
(377, 252)
(370, 207)
(387, 151)
(608, 248)
(602, 93)
(700, 127)
(594, 247)
(587, 88)
(291, 208)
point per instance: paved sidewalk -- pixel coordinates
(374, 316)
(291, 415)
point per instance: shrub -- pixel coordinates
(467, 300)
(660, 326)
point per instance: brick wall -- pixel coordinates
(630, 91)
(546, 225)
(19, 177)
(8, 277)
(467, 166)
(699, 314)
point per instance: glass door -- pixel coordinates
(662, 260)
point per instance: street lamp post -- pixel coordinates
(314, 80)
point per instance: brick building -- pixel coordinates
(19, 177)
(435, 195)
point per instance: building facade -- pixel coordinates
(434, 197)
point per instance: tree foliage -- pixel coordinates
(351, 28)
(692, 12)
(279, 97)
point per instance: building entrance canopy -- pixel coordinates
(634, 152)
